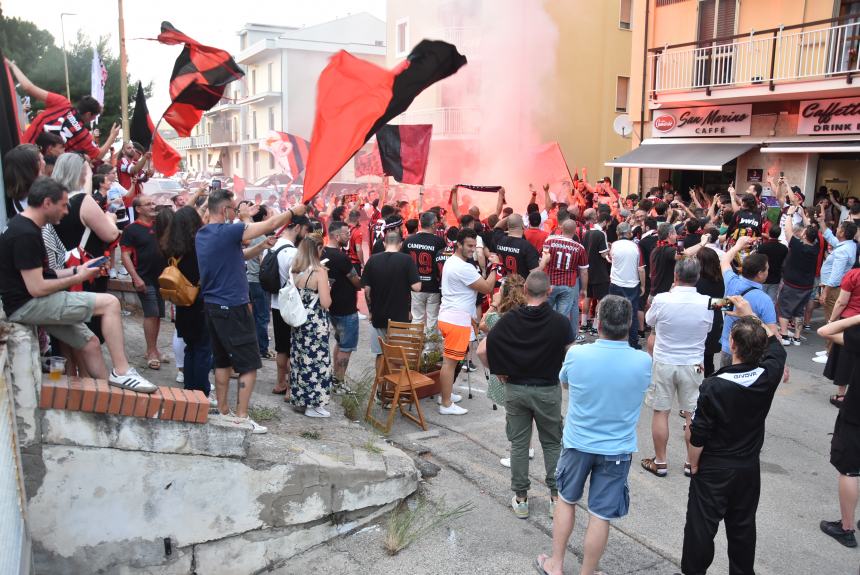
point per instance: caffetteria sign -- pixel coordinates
(836, 116)
(703, 121)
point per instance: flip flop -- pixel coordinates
(538, 564)
(836, 400)
(154, 364)
(280, 391)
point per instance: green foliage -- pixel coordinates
(263, 413)
(412, 521)
(35, 51)
(355, 402)
(315, 435)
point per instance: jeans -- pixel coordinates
(631, 295)
(565, 300)
(198, 363)
(541, 405)
(260, 302)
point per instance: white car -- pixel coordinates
(162, 186)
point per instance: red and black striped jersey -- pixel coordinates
(59, 118)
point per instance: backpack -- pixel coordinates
(292, 310)
(270, 272)
(175, 287)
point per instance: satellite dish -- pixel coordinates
(623, 126)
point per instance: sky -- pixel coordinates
(212, 22)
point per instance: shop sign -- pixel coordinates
(836, 116)
(704, 121)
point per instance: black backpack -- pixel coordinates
(270, 273)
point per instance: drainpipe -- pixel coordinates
(644, 74)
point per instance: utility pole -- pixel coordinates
(123, 78)
(65, 53)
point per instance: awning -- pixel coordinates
(703, 157)
(214, 158)
(812, 148)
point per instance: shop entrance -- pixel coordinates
(840, 172)
(711, 182)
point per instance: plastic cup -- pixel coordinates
(56, 368)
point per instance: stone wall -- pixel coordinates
(113, 494)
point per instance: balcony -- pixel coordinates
(466, 39)
(192, 143)
(767, 64)
(447, 122)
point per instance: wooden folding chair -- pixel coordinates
(409, 336)
(396, 388)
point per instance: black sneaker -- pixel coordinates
(834, 529)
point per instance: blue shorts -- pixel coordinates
(608, 493)
(345, 331)
(151, 301)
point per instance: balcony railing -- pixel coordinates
(466, 39)
(783, 54)
(446, 121)
(192, 142)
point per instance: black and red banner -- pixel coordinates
(404, 150)
(164, 158)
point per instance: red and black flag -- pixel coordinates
(404, 150)
(200, 75)
(164, 158)
(355, 98)
(367, 161)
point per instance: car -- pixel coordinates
(271, 185)
(162, 185)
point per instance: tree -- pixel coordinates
(37, 55)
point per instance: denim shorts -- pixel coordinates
(608, 493)
(345, 331)
(151, 302)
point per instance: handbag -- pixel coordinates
(175, 287)
(293, 311)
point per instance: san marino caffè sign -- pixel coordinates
(836, 116)
(702, 121)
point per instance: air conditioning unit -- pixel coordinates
(756, 80)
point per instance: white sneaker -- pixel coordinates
(361, 316)
(455, 398)
(131, 380)
(256, 428)
(317, 412)
(505, 461)
(822, 352)
(820, 358)
(531, 453)
(112, 273)
(213, 401)
(180, 377)
(454, 409)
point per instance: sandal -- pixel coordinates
(538, 564)
(154, 364)
(688, 470)
(280, 391)
(682, 413)
(651, 466)
(837, 400)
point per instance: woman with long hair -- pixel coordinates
(711, 284)
(178, 241)
(510, 296)
(310, 359)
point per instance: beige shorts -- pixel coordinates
(667, 380)
(63, 314)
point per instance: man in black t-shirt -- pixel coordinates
(798, 276)
(663, 259)
(388, 279)
(776, 252)
(33, 294)
(515, 252)
(144, 261)
(344, 283)
(424, 248)
(597, 246)
(845, 445)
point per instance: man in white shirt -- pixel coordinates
(461, 282)
(627, 276)
(681, 321)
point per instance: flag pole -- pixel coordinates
(123, 79)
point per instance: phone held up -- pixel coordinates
(721, 303)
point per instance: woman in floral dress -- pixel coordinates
(311, 374)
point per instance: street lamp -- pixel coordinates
(65, 55)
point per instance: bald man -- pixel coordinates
(516, 254)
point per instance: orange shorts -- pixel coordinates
(456, 340)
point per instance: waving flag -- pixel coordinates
(164, 158)
(290, 152)
(200, 75)
(404, 151)
(98, 77)
(355, 98)
(368, 162)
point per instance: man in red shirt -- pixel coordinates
(356, 240)
(60, 118)
(533, 234)
(131, 173)
(567, 269)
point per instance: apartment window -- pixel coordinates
(235, 129)
(271, 118)
(624, 17)
(235, 162)
(253, 82)
(269, 73)
(271, 162)
(622, 84)
(256, 160)
(254, 125)
(401, 42)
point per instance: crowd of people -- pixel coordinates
(667, 297)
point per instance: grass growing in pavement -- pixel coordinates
(409, 523)
(355, 402)
(371, 447)
(310, 434)
(262, 413)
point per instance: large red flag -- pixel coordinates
(549, 165)
(356, 98)
(164, 158)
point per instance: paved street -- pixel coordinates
(798, 490)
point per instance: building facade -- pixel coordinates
(498, 106)
(278, 92)
(745, 91)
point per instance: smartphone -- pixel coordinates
(721, 303)
(215, 184)
(680, 246)
(782, 175)
(97, 262)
